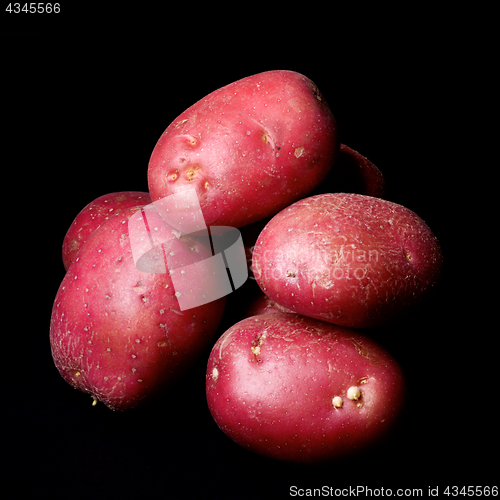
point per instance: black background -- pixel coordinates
(86, 99)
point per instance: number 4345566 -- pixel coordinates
(33, 8)
(469, 491)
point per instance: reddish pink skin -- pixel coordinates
(117, 333)
(371, 179)
(347, 259)
(352, 173)
(276, 400)
(93, 215)
(250, 148)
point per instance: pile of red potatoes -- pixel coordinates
(298, 377)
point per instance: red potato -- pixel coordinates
(347, 259)
(250, 148)
(118, 333)
(297, 389)
(353, 173)
(93, 215)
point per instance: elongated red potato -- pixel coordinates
(93, 215)
(353, 173)
(117, 333)
(347, 259)
(297, 389)
(250, 148)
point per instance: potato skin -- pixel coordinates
(271, 380)
(347, 259)
(93, 215)
(353, 173)
(118, 333)
(250, 148)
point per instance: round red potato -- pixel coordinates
(250, 148)
(297, 389)
(93, 215)
(347, 259)
(118, 333)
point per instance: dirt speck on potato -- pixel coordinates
(299, 152)
(316, 92)
(361, 350)
(257, 343)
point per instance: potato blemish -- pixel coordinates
(299, 152)
(191, 172)
(361, 350)
(257, 343)
(353, 393)
(337, 402)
